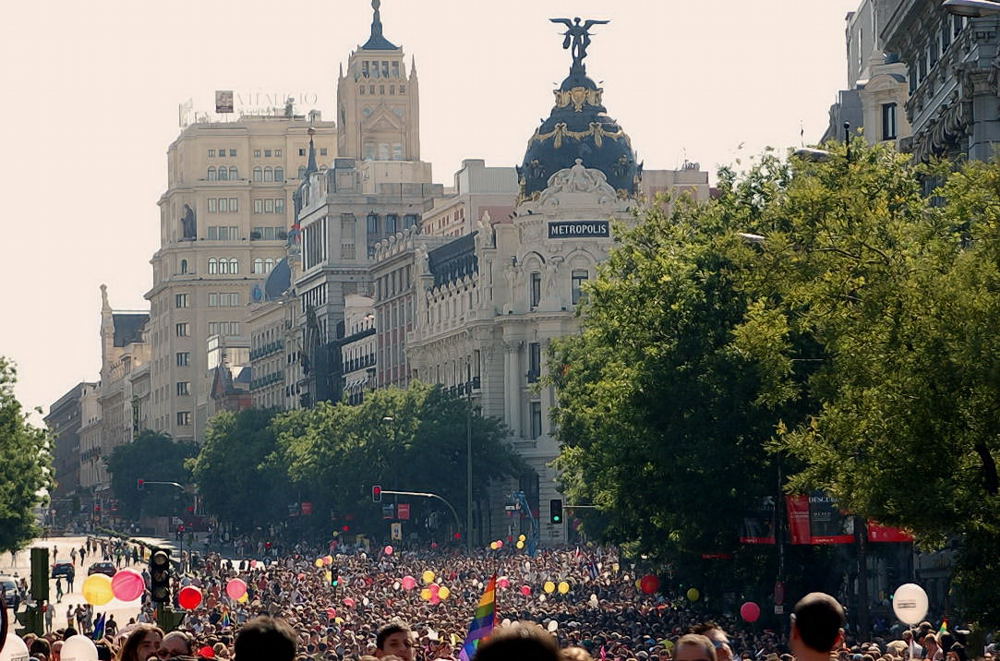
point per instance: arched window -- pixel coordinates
(212, 174)
(268, 265)
(258, 265)
(213, 265)
(184, 266)
(258, 174)
(279, 174)
(234, 173)
(268, 174)
(223, 266)
(234, 266)
(223, 174)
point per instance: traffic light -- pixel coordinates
(377, 493)
(334, 577)
(159, 576)
(555, 510)
(40, 574)
(140, 485)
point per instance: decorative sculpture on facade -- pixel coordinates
(577, 39)
(189, 223)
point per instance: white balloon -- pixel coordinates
(553, 625)
(78, 648)
(506, 622)
(14, 649)
(910, 603)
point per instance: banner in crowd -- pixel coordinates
(816, 519)
(880, 533)
(759, 523)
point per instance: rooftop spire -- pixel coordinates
(377, 41)
(311, 166)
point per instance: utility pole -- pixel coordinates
(468, 468)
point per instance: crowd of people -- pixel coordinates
(418, 606)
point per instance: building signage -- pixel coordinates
(580, 229)
(223, 101)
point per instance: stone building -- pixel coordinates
(93, 472)
(357, 348)
(478, 189)
(954, 96)
(225, 218)
(64, 421)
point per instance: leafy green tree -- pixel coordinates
(233, 473)
(408, 440)
(153, 457)
(25, 466)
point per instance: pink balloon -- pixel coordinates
(435, 599)
(235, 589)
(526, 590)
(435, 588)
(350, 603)
(388, 550)
(408, 582)
(750, 611)
(331, 613)
(504, 583)
(127, 585)
(499, 543)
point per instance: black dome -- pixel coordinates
(579, 127)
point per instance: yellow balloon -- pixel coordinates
(339, 620)
(328, 575)
(244, 599)
(549, 587)
(520, 545)
(428, 577)
(638, 584)
(521, 538)
(97, 589)
(444, 593)
(319, 562)
(693, 594)
(493, 545)
(563, 587)
(425, 594)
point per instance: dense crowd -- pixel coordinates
(589, 602)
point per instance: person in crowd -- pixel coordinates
(174, 644)
(266, 639)
(694, 647)
(395, 639)
(525, 641)
(142, 643)
(817, 627)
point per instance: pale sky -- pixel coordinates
(92, 90)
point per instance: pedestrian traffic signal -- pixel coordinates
(377, 493)
(159, 576)
(140, 485)
(555, 510)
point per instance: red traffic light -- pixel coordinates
(346, 529)
(377, 493)
(140, 484)
(458, 535)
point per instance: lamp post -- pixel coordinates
(468, 467)
(972, 8)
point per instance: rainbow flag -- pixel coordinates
(482, 622)
(944, 626)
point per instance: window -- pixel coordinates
(945, 35)
(267, 153)
(362, 89)
(268, 265)
(258, 206)
(322, 151)
(213, 205)
(183, 388)
(409, 220)
(258, 266)
(579, 277)
(184, 418)
(182, 329)
(391, 220)
(213, 300)
(279, 204)
(256, 153)
(223, 174)
(183, 358)
(232, 153)
(347, 236)
(222, 153)
(302, 151)
(229, 328)
(277, 153)
(181, 301)
(395, 69)
(888, 121)
(956, 25)
(268, 206)
(268, 174)
(279, 174)
(211, 153)
(402, 89)
(234, 204)
(258, 174)
(535, 289)
(372, 223)
(184, 266)
(234, 173)
(536, 419)
(212, 174)
(213, 265)
(534, 362)
(223, 205)
(234, 266)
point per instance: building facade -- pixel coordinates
(357, 348)
(224, 222)
(64, 421)
(478, 189)
(954, 95)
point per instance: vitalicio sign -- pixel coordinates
(580, 229)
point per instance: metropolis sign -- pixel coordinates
(580, 229)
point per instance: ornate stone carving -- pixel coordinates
(578, 96)
(578, 179)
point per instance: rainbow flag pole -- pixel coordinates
(482, 622)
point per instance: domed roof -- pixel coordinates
(278, 281)
(579, 128)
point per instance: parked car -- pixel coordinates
(10, 592)
(64, 569)
(106, 568)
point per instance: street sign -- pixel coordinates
(388, 511)
(403, 511)
(779, 609)
(396, 531)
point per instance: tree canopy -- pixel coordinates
(25, 466)
(152, 457)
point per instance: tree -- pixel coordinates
(152, 457)
(663, 417)
(406, 440)
(25, 466)
(233, 473)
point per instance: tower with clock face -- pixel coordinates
(378, 115)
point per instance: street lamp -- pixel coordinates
(972, 8)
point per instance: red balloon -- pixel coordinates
(435, 588)
(750, 611)
(189, 597)
(650, 584)
(526, 590)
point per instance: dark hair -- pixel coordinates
(103, 651)
(265, 639)
(819, 619)
(130, 650)
(389, 629)
(39, 645)
(525, 641)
